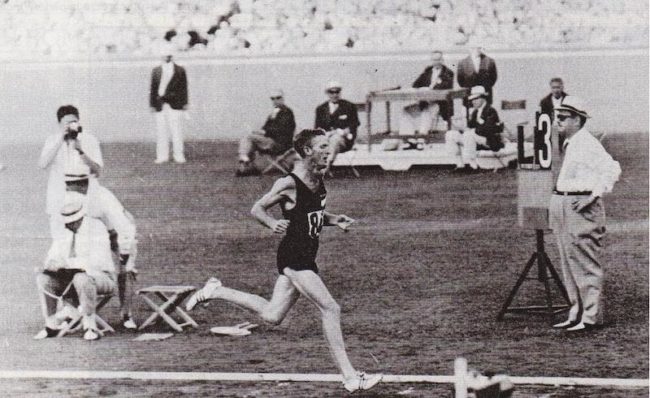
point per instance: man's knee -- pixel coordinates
(43, 280)
(273, 318)
(331, 307)
(81, 281)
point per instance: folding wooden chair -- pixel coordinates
(280, 162)
(74, 324)
(171, 298)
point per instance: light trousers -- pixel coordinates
(412, 119)
(463, 146)
(86, 286)
(168, 126)
(579, 238)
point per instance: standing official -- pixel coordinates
(477, 69)
(340, 119)
(70, 154)
(554, 99)
(434, 77)
(577, 214)
(168, 99)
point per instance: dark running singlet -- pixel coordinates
(300, 244)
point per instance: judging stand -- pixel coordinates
(397, 153)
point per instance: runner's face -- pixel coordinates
(320, 151)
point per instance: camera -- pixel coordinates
(73, 132)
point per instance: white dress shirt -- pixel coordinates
(333, 106)
(67, 161)
(435, 76)
(556, 101)
(587, 166)
(88, 249)
(166, 77)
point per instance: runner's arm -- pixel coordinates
(281, 192)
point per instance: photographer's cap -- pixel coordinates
(74, 208)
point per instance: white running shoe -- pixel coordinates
(129, 324)
(91, 335)
(361, 381)
(203, 294)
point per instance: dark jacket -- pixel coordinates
(175, 93)
(280, 127)
(490, 128)
(546, 105)
(345, 116)
(486, 76)
(446, 83)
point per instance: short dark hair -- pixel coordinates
(304, 138)
(557, 80)
(66, 110)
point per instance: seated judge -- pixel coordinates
(418, 117)
(483, 132)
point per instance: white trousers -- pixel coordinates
(168, 125)
(412, 119)
(463, 146)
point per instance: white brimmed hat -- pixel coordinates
(477, 91)
(573, 104)
(74, 207)
(332, 84)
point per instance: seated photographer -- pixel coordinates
(418, 117)
(275, 137)
(339, 119)
(79, 260)
(483, 132)
(68, 153)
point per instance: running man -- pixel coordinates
(301, 196)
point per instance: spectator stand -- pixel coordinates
(399, 153)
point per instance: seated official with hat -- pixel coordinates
(339, 119)
(274, 138)
(483, 132)
(79, 262)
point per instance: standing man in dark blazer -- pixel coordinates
(274, 138)
(477, 70)
(554, 99)
(168, 99)
(435, 77)
(339, 118)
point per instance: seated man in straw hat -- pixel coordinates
(339, 119)
(484, 132)
(80, 260)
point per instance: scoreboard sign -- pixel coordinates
(535, 176)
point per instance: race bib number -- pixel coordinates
(316, 220)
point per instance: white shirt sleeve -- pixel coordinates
(91, 148)
(608, 170)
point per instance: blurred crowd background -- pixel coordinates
(68, 29)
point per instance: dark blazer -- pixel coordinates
(280, 128)
(490, 128)
(446, 83)
(486, 76)
(345, 116)
(175, 93)
(546, 105)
